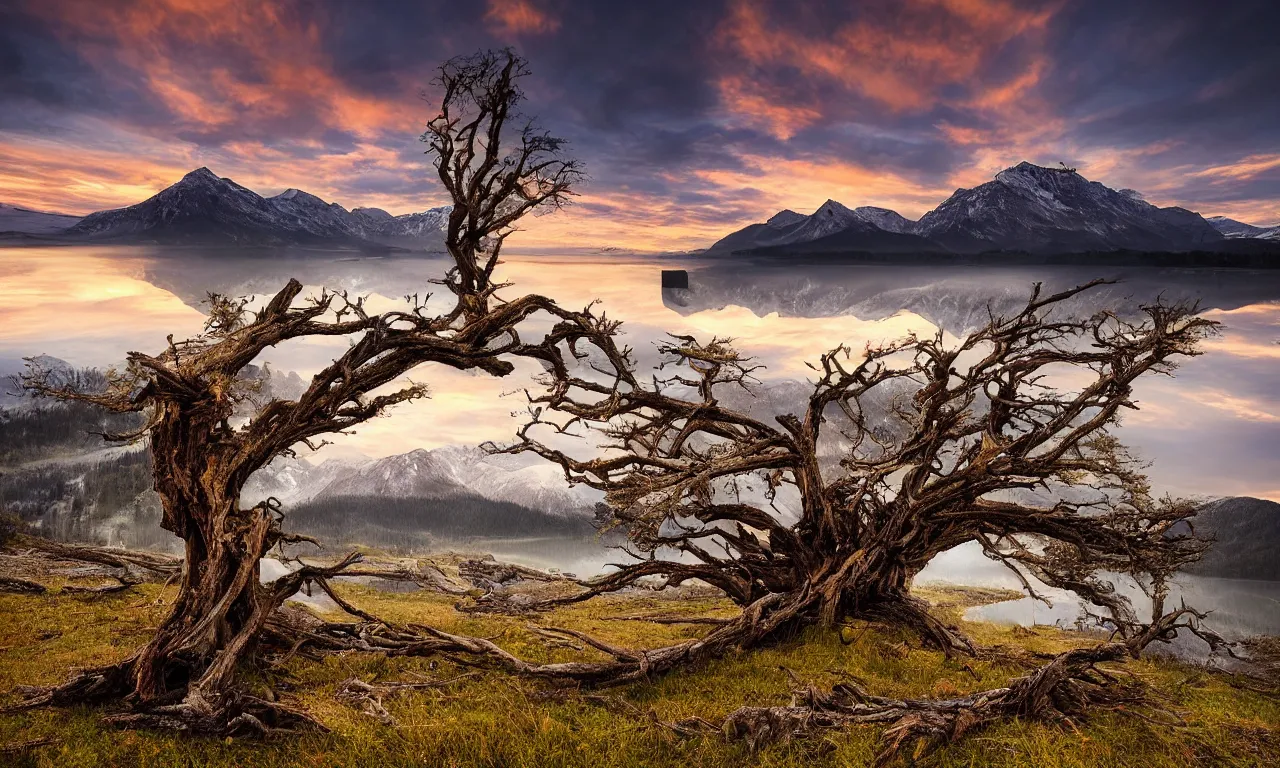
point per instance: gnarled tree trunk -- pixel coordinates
(194, 390)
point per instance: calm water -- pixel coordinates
(1212, 430)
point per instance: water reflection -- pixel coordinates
(1238, 609)
(1212, 430)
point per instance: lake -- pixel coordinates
(1211, 430)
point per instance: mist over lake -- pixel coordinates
(1212, 430)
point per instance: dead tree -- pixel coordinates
(491, 186)
(900, 453)
(193, 391)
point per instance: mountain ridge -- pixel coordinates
(1231, 228)
(18, 219)
(448, 472)
(203, 208)
(1024, 208)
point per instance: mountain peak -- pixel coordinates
(201, 174)
(1026, 170)
(297, 196)
(785, 218)
(204, 208)
(373, 213)
(832, 208)
(1232, 228)
(1034, 208)
(888, 220)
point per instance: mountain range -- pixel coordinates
(1026, 208)
(450, 472)
(1233, 228)
(205, 209)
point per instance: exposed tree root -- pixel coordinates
(20, 747)
(913, 613)
(671, 619)
(123, 583)
(234, 713)
(21, 586)
(157, 564)
(1071, 685)
(490, 574)
(369, 697)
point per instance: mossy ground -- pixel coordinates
(492, 719)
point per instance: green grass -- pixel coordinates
(495, 720)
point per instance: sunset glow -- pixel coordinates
(717, 115)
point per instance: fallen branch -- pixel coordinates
(123, 583)
(429, 577)
(370, 696)
(155, 562)
(490, 574)
(1069, 686)
(21, 586)
(671, 619)
(18, 747)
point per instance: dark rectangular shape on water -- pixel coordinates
(675, 278)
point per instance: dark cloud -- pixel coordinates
(1139, 72)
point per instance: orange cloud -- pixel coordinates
(277, 64)
(629, 219)
(518, 17)
(51, 175)
(747, 102)
(902, 60)
(1245, 168)
(60, 176)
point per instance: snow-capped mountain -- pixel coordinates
(889, 221)
(203, 208)
(1234, 229)
(1024, 208)
(26, 221)
(1033, 208)
(378, 223)
(417, 474)
(295, 481)
(866, 228)
(450, 472)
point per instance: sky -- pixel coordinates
(693, 118)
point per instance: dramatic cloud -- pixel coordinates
(519, 17)
(694, 118)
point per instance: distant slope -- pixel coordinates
(788, 228)
(412, 522)
(860, 238)
(1247, 532)
(17, 219)
(204, 209)
(1238, 229)
(457, 471)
